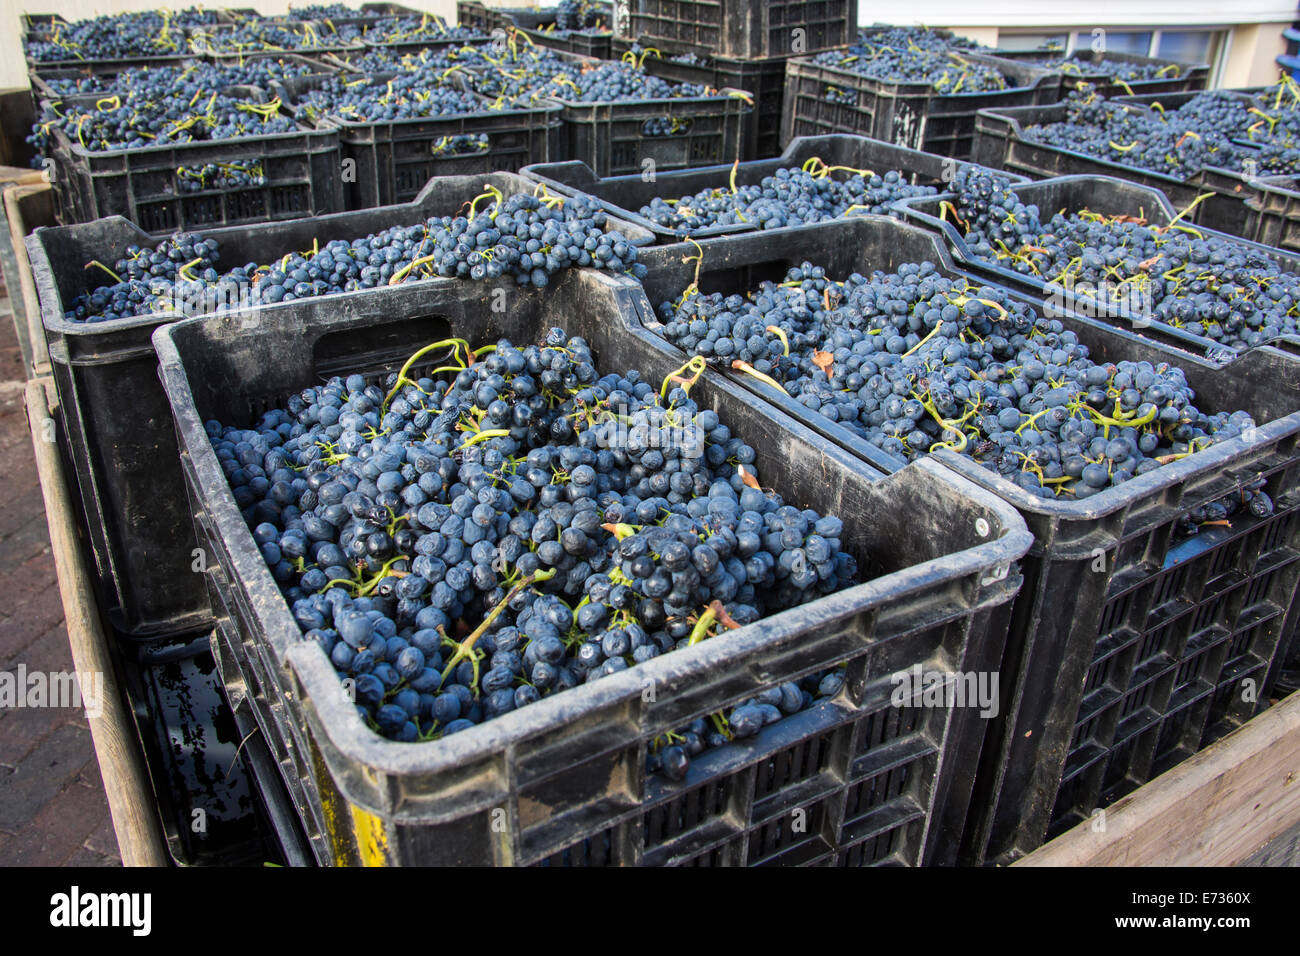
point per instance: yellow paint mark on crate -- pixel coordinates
(372, 840)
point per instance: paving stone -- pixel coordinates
(43, 774)
(59, 830)
(52, 805)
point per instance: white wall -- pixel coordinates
(1249, 59)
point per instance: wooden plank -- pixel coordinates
(26, 208)
(131, 800)
(1215, 809)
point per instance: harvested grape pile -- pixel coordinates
(1226, 291)
(919, 38)
(791, 196)
(580, 15)
(251, 35)
(163, 81)
(237, 175)
(516, 72)
(382, 98)
(913, 361)
(415, 29)
(151, 33)
(904, 55)
(1207, 131)
(1115, 69)
(328, 11)
(526, 237)
(464, 543)
(114, 122)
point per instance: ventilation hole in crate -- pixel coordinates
(1154, 642)
(287, 199)
(788, 830)
(1098, 674)
(1120, 762)
(1084, 730)
(1114, 613)
(624, 155)
(1224, 697)
(156, 217)
(888, 724)
(1208, 612)
(247, 206)
(1074, 801)
(1173, 730)
(1230, 700)
(1192, 669)
(595, 850)
(724, 855)
(793, 765)
(686, 811)
(867, 795)
(1136, 699)
(875, 850)
(706, 148)
(1169, 586)
(1278, 534)
(1222, 559)
(409, 180)
(1257, 589)
(1242, 642)
(202, 211)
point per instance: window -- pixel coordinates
(1032, 41)
(1116, 42)
(1180, 46)
(1187, 46)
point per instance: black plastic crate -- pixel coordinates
(126, 465)
(392, 161)
(41, 79)
(364, 15)
(40, 75)
(624, 196)
(538, 24)
(1111, 197)
(317, 64)
(301, 169)
(735, 28)
(478, 15)
(763, 78)
(1259, 209)
(825, 99)
(202, 768)
(34, 25)
(1106, 576)
(612, 137)
(566, 776)
(485, 19)
(1075, 69)
(318, 37)
(371, 39)
(1272, 214)
(598, 44)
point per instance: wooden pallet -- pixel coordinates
(1217, 808)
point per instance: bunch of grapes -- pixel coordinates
(914, 360)
(120, 36)
(465, 543)
(525, 237)
(791, 196)
(1226, 291)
